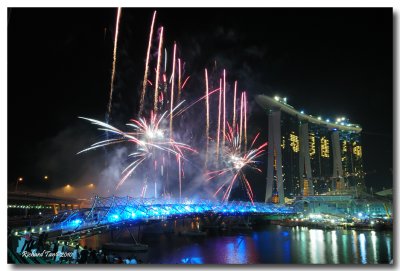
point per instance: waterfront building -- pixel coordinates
(308, 155)
(345, 206)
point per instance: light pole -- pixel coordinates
(19, 180)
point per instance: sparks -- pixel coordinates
(114, 62)
(234, 106)
(235, 161)
(148, 136)
(224, 111)
(172, 91)
(207, 118)
(158, 70)
(219, 118)
(179, 79)
(146, 67)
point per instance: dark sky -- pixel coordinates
(329, 62)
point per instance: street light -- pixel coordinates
(19, 180)
(46, 177)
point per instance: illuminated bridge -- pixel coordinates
(106, 213)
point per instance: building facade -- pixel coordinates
(310, 156)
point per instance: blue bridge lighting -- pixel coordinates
(116, 210)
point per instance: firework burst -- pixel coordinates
(234, 163)
(152, 133)
(148, 136)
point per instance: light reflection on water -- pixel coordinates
(362, 248)
(334, 247)
(389, 246)
(374, 250)
(273, 244)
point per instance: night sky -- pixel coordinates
(328, 62)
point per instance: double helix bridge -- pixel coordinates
(113, 212)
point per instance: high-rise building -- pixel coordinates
(308, 155)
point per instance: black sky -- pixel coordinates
(329, 62)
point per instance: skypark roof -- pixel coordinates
(267, 102)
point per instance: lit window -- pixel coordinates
(324, 147)
(344, 146)
(357, 151)
(312, 144)
(294, 142)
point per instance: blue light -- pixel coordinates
(192, 260)
(166, 209)
(76, 222)
(113, 218)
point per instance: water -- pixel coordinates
(271, 245)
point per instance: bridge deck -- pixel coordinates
(116, 210)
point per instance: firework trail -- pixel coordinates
(179, 79)
(144, 189)
(114, 63)
(172, 91)
(165, 59)
(241, 119)
(235, 162)
(207, 118)
(158, 70)
(184, 82)
(219, 118)
(224, 111)
(234, 106)
(146, 67)
(162, 94)
(245, 120)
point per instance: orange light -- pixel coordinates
(68, 186)
(91, 185)
(45, 177)
(20, 179)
